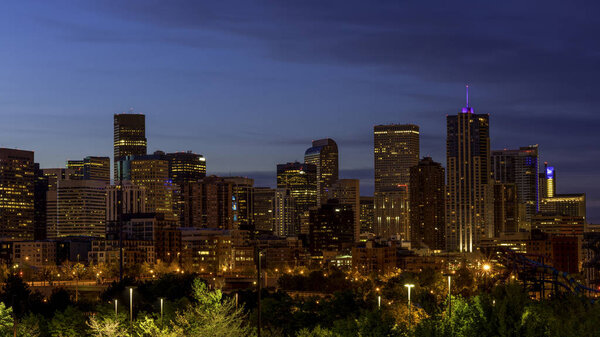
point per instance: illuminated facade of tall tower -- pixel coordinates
(324, 155)
(129, 137)
(152, 172)
(396, 148)
(468, 216)
(547, 182)
(186, 167)
(91, 168)
(301, 180)
(347, 192)
(519, 167)
(427, 205)
(17, 184)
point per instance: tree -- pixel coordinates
(106, 327)
(6, 321)
(68, 323)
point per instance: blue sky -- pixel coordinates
(250, 83)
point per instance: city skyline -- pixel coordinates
(66, 73)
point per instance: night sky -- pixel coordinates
(250, 84)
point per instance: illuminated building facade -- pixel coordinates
(468, 196)
(558, 224)
(285, 214)
(301, 180)
(347, 192)
(80, 209)
(91, 168)
(242, 202)
(519, 167)
(263, 200)
(427, 205)
(186, 167)
(17, 188)
(331, 227)
(367, 214)
(40, 203)
(124, 198)
(564, 204)
(506, 209)
(152, 172)
(129, 138)
(396, 150)
(324, 155)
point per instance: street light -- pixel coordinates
(130, 305)
(450, 295)
(116, 309)
(408, 285)
(162, 326)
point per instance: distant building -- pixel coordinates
(324, 155)
(186, 167)
(242, 202)
(547, 182)
(367, 214)
(396, 150)
(285, 214)
(506, 209)
(17, 190)
(347, 191)
(371, 256)
(301, 181)
(427, 205)
(79, 207)
(564, 204)
(331, 227)
(35, 254)
(40, 193)
(124, 198)
(91, 168)
(263, 202)
(519, 167)
(559, 224)
(468, 208)
(129, 138)
(563, 252)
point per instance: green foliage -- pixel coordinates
(316, 332)
(6, 321)
(68, 323)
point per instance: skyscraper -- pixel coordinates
(129, 137)
(367, 214)
(469, 174)
(263, 200)
(91, 168)
(186, 167)
(347, 192)
(124, 198)
(324, 155)
(519, 167)
(427, 205)
(547, 182)
(301, 180)
(80, 209)
(331, 227)
(242, 202)
(152, 172)
(396, 148)
(17, 184)
(564, 204)
(285, 213)
(506, 209)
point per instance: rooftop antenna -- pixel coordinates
(131, 109)
(467, 95)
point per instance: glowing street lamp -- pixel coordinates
(408, 285)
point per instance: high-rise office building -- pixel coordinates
(564, 204)
(367, 214)
(54, 176)
(263, 200)
(427, 205)
(40, 203)
(208, 203)
(331, 227)
(301, 180)
(80, 209)
(347, 192)
(547, 182)
(124, 198)
(152, 172)
(17, 190)
(324, 155)
(285, 214)
(468, 210)
(129, 137)
(519, 167)
(186, 167)
(242, 202)
(396, 149)
(506, 209)
(91, 168)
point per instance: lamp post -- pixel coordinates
(162, 325)
(408, 285)
(116, 309)
(130, 305)
(486, 269)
